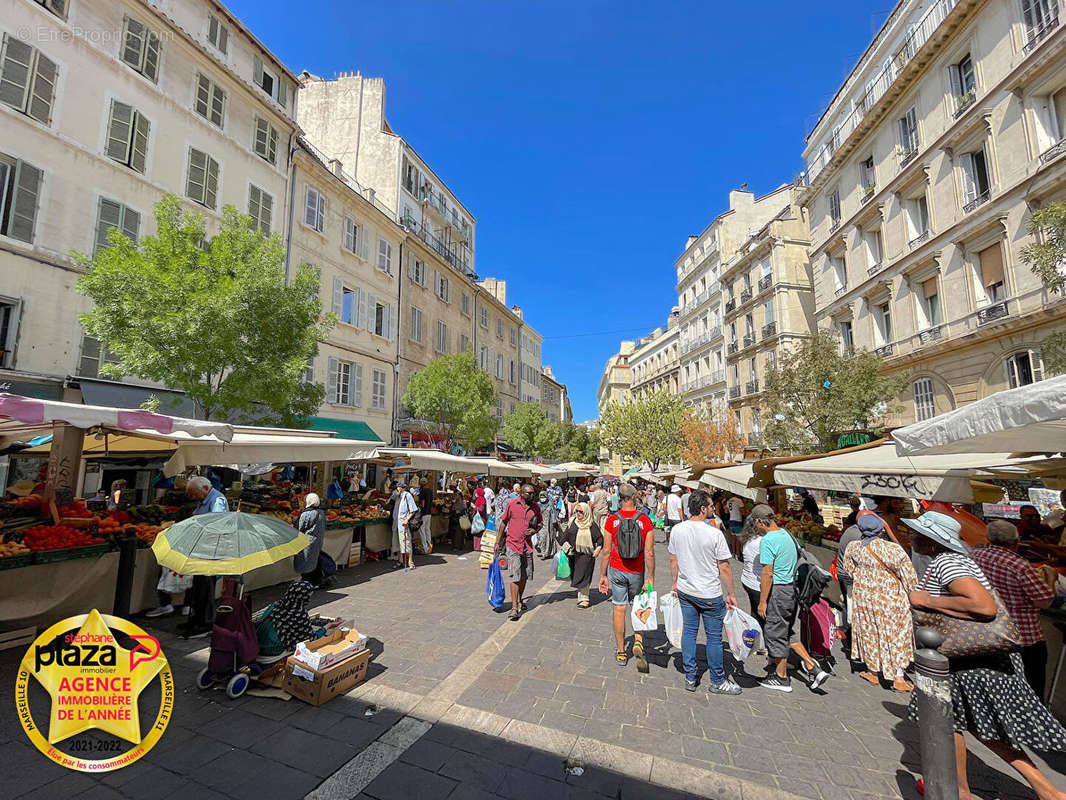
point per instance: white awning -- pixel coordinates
(260, 448)
(505, 469)
(734, 480)
(423, 458)
(1029, 419)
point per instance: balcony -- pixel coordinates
(730, 305)
(734, 392)
(751, 387)
(980, 200)
(964, 101)
(718, 376)
(1037, 35)
(907, 156)
(745, 296)
(765, 282)
(449, 254)
(930, 334)
(992, 312)
(917, 240)
(769, 329)
(1053, 152)
(687, 386)
(867, 192)
(732, 348)
(873, 269)
(884, 350)
(834, 223)
(842, 289)
(749, 340)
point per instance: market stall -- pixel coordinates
(735, 480)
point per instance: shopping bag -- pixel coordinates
(643, 615)
(673, 620)
(741, 632)
(172, 583)
(488, 548)
(464, 522)
(477, 525)
(562, 565)
(494, 585)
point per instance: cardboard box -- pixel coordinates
(332, 648)
(317, 687)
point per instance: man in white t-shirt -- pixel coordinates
(703, 583)
(674, 513)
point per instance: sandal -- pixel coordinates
(902, 685)
(583, 604)
(621, 657)
(638, 654)
(869, 677)
(515, 616)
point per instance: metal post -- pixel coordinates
(936, 726)
(127, 561)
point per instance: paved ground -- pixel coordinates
(469, 705)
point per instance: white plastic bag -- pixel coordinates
(742, 632)
(173, 583)
(643, 614)
(673, 619)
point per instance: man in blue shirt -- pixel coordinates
(202, 594)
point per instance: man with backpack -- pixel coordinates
(780, 599)
(628, 558)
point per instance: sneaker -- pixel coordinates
(776, 682)
(690, 686)
(161, 611)
(186, 611)
(820, 677)
(725, 687)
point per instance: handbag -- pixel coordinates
(464, 522)
(965, 637)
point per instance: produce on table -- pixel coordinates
(58, 537)
(13, 549)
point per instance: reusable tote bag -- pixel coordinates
(643, 614)
(673, 620)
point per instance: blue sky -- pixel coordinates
(588, 138)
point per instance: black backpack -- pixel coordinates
(629, 537)
(811, 578)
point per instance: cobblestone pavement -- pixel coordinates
(469, 705)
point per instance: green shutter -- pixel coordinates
(212, 183)
(15, 72)
(139, 154)
(109, 215)
(283, 96)
(43, 93)
(151, 57)
(118, 131)
(197, 180)
(23, 214)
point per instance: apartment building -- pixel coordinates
(768, 307)
(554, 398)
(104, 107)
(655, 364)
(921, 176)
(356, 249)
(532, 374)
(614, 388)
(701, 339)
(497, 340)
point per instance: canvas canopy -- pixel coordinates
(1029, 419)
(507, 469)
(734, 480)
(422, 458)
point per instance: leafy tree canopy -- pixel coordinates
(529, 430)
(709, 435)
(214, 318)
(646, 430)
(1047, 257)
(577, 443)
(457, 396)
(817, 391)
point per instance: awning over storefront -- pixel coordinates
(346, 428)
(418, 458)
(735, 481)
(123, 395)
(506, 469)
(261, 448)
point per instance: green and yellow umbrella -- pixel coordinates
(226, 543)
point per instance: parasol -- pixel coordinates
(226, 543)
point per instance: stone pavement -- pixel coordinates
(468, 705)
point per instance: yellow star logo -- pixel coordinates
(92, 684)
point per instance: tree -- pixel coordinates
(645, 430)
(214, 318)
(456, 395)
(577, 443)
(1047, 256)
(1053, 351)
(709, 434)
(816, 392)
(529, 430)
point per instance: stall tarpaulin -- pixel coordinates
(509, 469)
(419, 458)
(259, 448)
(734, 480)
(1029, 419)
(546, 471)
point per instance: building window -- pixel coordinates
(266, 140)
(354, 238)
(416, 325)
(884, 322)
(260, 208)
(1040, 16)
(442, 337)
(847, 341)
(417, 271)
(111, 214)
(930, 305)
(275, 86)
(344, 385)
(924, 405)
(514, 337)
(499, 328)
(867, 181)
(908, 134)
(384, 256)
(768, 312)
(210, 100)
(975, 176)
(10, 311)
(990, 261)
(465, 304)
(442, 288)
(350, 305)
(201, 186)
(871, 241)
(27, 80)
(484, 317)
(483, 358)
(57, 7)
(93, 356)
(917, 210)
(381, 324)
(218, 34)
(840, 272)
(1024, 368)
(377, 390)
(499, 367)
(315, 209)
(499, 408)
(140, 49)
(127, 136)
(511, 373)
(464, 343)
(963, 82)
(834, 208)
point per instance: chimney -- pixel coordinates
(689, 241)
(337, 167)
(517, 311)
(369, 194)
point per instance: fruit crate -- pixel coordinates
(68, 553)
(14, 562)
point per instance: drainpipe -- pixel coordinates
(396, 363)
(292, 202)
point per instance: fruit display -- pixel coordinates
(8, 549)
(58, 537)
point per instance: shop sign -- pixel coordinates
(38, 391)
(853, 439)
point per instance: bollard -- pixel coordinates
(127, 561)
(936, 726)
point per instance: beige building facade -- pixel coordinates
(94, 130)
(554, 398)
(614, 388)
(768, 304)
(921, 178)
(656, 362)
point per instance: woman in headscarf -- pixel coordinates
(882, 634)
(582, 542)
(290, 617)
(312, 522)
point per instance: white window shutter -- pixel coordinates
(1037, 362)
(283, 93)
(23, 213)
(338, 296)
(257, 70)
(390, 316)
(1012, 373)
(119, 131)
(360, 308)
(15, 72)
(43, 92)
(356, 391)
(331, 380)
(371, 311)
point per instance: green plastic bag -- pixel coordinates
(562, 565)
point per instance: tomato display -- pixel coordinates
(57, 537)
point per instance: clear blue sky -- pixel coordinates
(588, 138)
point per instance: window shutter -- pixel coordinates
(223, 38)
(15, 72)
(203, 95)
(272, 144)
(267, 212)
(131, 224)
(410, 266)
(361, 303)
(371, 311)
(133, 43)
(331, 380)
(44, 84)
(1012, 373)
(257, 71)
(356, 391)
(151, 57)
(338, 296)
(109, 215)
(283, 93)
(956, 80)
(254, 206)
(1036, 361)
(23, 215)
(211, 189)
(969, 179)
(119, 131)
(194, 185)
(390, 326)
(139, 155)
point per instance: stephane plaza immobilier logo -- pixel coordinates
(102, 673)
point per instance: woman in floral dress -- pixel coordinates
(881, 626)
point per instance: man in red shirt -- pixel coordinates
(624, 578)
(520, 520)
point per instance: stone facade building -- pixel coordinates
(921, 178)
(614, 388)
(554, 398)
(655, 363)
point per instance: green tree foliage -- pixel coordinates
(1047, 257)
(576, 443)
(646, 430)
(529, 430)
(1053, 351)
(457, 396)
(214, 318)
(819, 392)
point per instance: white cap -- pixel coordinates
(675, 488)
